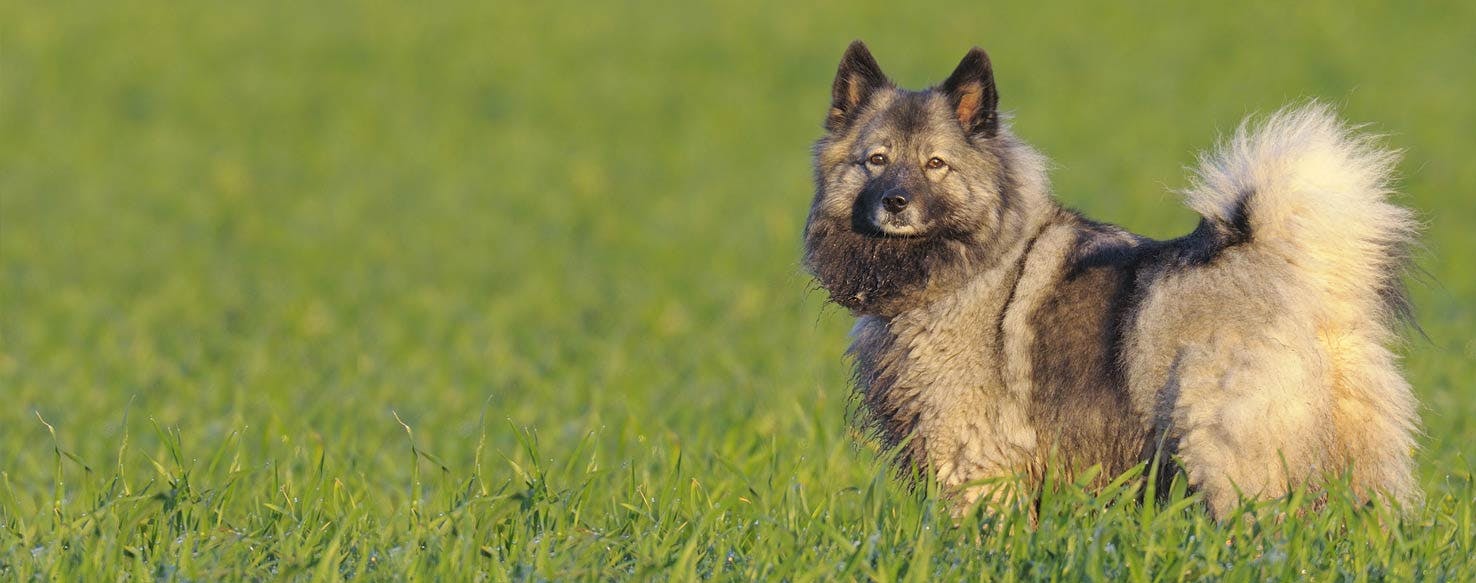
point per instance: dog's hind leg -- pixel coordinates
(1251, 415)
(1375, 418)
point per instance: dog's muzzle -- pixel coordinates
(896, 214)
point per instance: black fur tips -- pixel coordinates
(971, 92)
(856, 79)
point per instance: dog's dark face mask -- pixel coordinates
(908, 184)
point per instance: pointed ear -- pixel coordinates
(971, 93)
(857, 78)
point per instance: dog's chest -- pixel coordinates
(939, 374)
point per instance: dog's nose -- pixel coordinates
(894, 201)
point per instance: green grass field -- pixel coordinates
(510, 291)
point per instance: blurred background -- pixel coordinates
(261, 228)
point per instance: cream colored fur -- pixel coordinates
(1267, 367)
(1270, 366)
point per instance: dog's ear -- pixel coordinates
(971, 94)
(857, 78)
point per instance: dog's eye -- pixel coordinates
(935, 163)
(878, 159)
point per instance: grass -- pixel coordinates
(509, 291)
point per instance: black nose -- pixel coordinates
(894, 201)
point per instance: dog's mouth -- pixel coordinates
(890, 231)
(897, 228)
(882, 224)
(894, 226)
(898, 236)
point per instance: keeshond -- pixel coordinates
(1001, 335)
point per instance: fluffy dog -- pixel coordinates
(1001, 335)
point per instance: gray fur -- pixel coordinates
(1002, 336)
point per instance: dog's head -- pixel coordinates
(908, 183)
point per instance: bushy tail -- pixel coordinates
(1309, 188)
(1305, 190)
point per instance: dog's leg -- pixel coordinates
(993, 493)
(1375, 418)
(977, 473)
(1252, 417)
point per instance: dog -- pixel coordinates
(1000, 335)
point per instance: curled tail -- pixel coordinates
(1311, 194)
(1303, 185)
